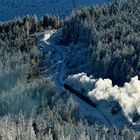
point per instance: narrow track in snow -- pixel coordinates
(60, 81)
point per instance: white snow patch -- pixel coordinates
(48, 34)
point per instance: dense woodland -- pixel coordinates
(112, 34)
(30, 108)
(26, 96)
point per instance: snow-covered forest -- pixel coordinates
(112, 36)
(37, 56)
(10, 9)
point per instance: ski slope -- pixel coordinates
(9, 9)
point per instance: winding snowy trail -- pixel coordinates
(60, 52)
(61, 66)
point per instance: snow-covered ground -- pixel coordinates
(10, 9)
(56, 53)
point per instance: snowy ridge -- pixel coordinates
(10, 9)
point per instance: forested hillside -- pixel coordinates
(34, 105)
(25, 95)
(112, 36)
